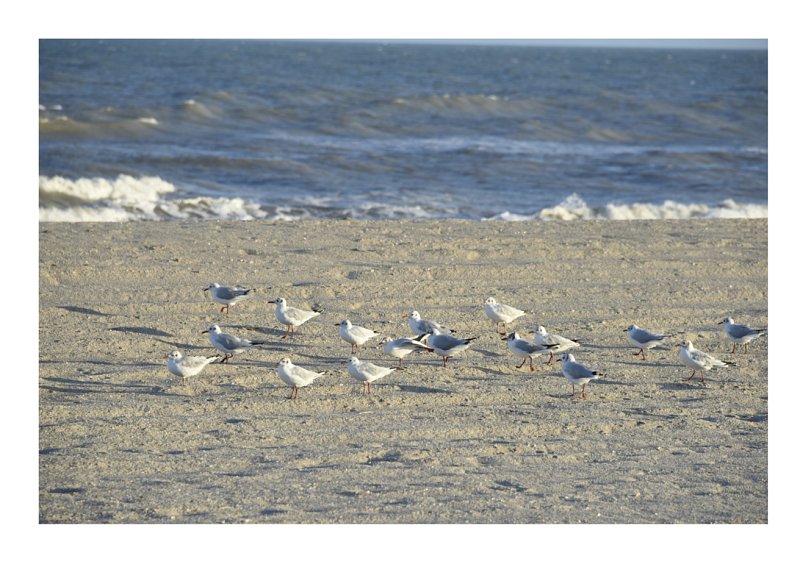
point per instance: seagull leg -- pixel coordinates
(287, 332)
(292, 328)
(551, 359)
(573, 389)
(523, 362)
(184, 380)
(368, 390)
(745, 348)
(583, 392)
(692, 376)
(704, 378)
(532, 368)
(734, 349)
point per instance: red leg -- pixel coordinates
(401, 363)
(551, 359)
(573, 389)
(505, 331)
(287, 332)
(184, 380)
(734, 348)
(292, 328)
(701, 374)
(583, 392)
(368, 389)
(523, 362)
(532, 368)
(745, 348)
(692, 376)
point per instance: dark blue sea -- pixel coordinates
(134, 130)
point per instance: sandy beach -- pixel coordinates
(121, 440)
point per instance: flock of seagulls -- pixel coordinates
(432, 336)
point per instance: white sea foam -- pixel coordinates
(574, 208)
(148, 120)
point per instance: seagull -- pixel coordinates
(399, 348)
(577, 373)
(227, 296)
(527, 349)
(698, 360)
(292, 316)
(295, 376)
(366, 372)
(184, 366)
(740, 334)
(446, 345)
(425, 326)
(542, 337)
(354, 334)
(227, 343)
(501, 313)
(643, 339)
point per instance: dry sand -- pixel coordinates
(122, 441)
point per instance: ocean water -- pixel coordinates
(243, 129)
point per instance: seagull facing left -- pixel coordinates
(227, 343)
(366, 372)
(295, 376)
(698, 360)
(740, 334)
(578, 374)
(501, 313)
(227, 296)
(184, 366)
(292, 316)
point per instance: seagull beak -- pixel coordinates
(206, 288)
(166, 356)
(404, 316)
(720, 323)
(270, 302)
(344, 362)
(678, 345)
(277, 364)
(204, 332)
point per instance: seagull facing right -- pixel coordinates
(740, 334)
(577, 373)
(643, 339)
(227, 343)
(542, 337)
(295, 376)
(501, 313)
(184, 366)
(228, 296)
(698, 360)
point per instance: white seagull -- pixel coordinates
(501, 313)
(366, 372)
(399, 348)
(227, 343)
(292, 316)
(295, 376)
(425, 326)
(578, 374)
(740, 334)
(527, 349)
(542, 337)
(184, 366)
(698, 360)
(354, 334)
(228, 296)
(644, 339)
(446, 345)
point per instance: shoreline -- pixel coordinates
(121, 441)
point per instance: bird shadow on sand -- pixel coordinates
(102, 387)
(142, 331)
(421, 389)
(83, 310)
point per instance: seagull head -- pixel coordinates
(489, 301)
(511, 337)
(726, 320)
(211, 286)
(413, 315)
(351, 360)
(212, 329)
(280, 301)
(173, 354)
(685, 344)
(567, 357)
(284, 362)
(344, 323)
